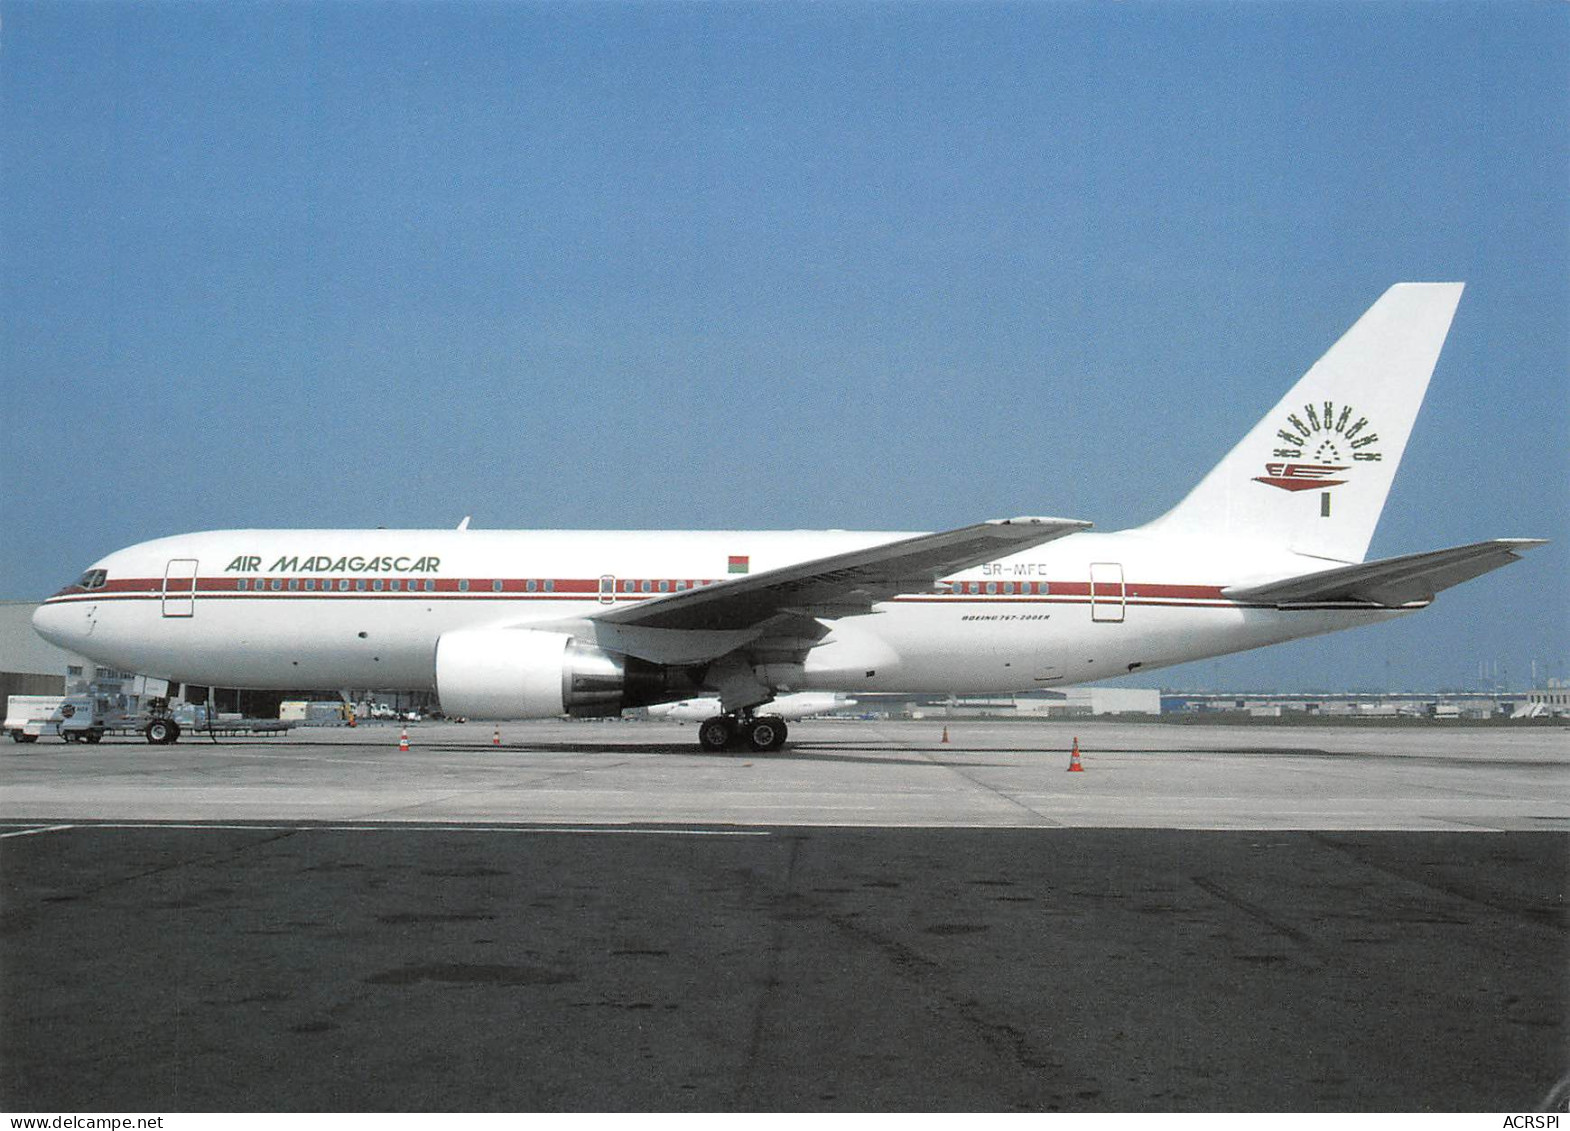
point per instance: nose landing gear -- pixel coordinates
(762, 734)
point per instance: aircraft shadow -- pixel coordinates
(803, 752)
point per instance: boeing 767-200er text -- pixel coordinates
(531, 624)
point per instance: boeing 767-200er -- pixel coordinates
(532, 624)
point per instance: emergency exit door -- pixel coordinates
(180, 587)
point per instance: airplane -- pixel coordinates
(1268, 547)
(796, 705)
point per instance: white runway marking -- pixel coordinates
(35, 831)
(390, 826)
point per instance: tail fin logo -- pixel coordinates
(1328, 438)
(1300, 476)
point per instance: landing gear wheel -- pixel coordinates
(716, 733)
(94, 736)
(162, 732)
(767, 733)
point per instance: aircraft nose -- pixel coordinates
(63, 625)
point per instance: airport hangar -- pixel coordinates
(30, 665)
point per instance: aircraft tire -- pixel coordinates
(716, 733)
(767, 733)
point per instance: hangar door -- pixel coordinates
(180, 587)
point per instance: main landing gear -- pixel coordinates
(763, 733)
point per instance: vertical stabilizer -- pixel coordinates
(1312, 476)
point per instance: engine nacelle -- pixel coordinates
(520, 673)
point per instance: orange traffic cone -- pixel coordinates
(496, 739)
(403, 741)
(1073, 760)
(945, 734)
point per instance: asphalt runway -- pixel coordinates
(600, 917)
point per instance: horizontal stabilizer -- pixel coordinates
(1391, 582)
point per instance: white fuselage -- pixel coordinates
(1282, 523)
(339, 609)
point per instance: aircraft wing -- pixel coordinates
(1391, 582)
(841, 584)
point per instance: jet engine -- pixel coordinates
(516, 673)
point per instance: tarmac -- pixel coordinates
(599, 916)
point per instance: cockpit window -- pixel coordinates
(94, 579)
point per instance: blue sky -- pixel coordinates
(889, 266)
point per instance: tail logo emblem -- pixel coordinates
(1321, 442)
(1300, 476)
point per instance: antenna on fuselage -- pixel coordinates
(464, 525)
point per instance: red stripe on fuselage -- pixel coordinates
(578, 589)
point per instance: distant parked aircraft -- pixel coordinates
(796, 705)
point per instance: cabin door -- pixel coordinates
(180, 587)
(1107, 596)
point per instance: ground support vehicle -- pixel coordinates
(81, 718)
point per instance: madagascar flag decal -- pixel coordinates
(737, 563)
